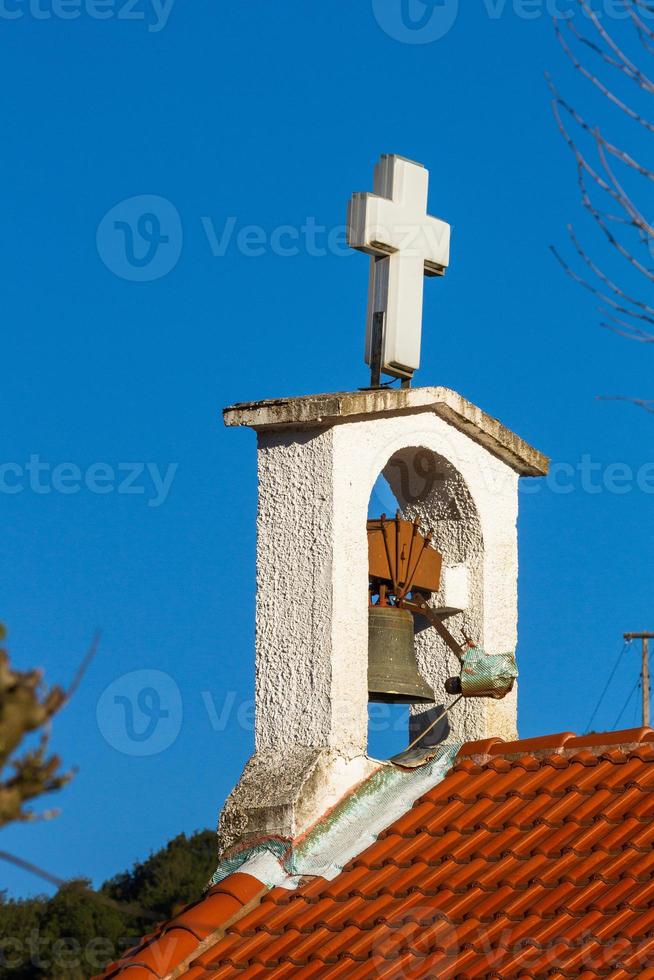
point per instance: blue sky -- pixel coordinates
(267, 115)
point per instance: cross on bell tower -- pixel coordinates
(405, 243)
(319, 457)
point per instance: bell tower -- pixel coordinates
(453, 468)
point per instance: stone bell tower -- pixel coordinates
(449, 464)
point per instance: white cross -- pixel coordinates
(392, 226)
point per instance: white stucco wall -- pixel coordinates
(312, 571)
(319, 457)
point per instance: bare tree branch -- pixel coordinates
(646, 403)
(103, 899)
(622, 106)
(628, 330)
(647, 313)
(623, 63)
(645, 34)
(606, 172)
(88, 659)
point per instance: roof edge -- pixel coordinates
(326, 410)
(563, 743)
(164, 952)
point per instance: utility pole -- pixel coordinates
(645, 637)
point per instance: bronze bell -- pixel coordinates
(393, 676)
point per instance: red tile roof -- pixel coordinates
(530, 859)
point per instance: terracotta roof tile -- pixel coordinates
(626, 737)
(482, 747)
(178, 940)
(173, 947)
(201, 919)
(530, 859)
(529, 745)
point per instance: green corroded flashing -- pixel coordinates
(275, 849)
(358, 820)
(353, 825)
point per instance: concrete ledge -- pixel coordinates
(281, 795)
(350, 406)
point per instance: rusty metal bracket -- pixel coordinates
(401, 557)
(419, 605)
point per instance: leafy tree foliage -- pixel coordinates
(170, 879)
(79, 930)
(25, 708)
(76, 932)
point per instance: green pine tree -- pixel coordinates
(77, 931)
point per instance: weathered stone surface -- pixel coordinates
(282, 793)
(348, 406)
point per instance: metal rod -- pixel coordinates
(645, 637)
(409, 572)
(376, 353)
(392, 572)
(645, 682)
(412, 572)
(397, 552)
(433, 724)
(419, 605)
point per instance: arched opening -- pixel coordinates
(388, 724)
(382, 499)
(422, 485)
(430, 488)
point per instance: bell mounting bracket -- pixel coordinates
(405, 570)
